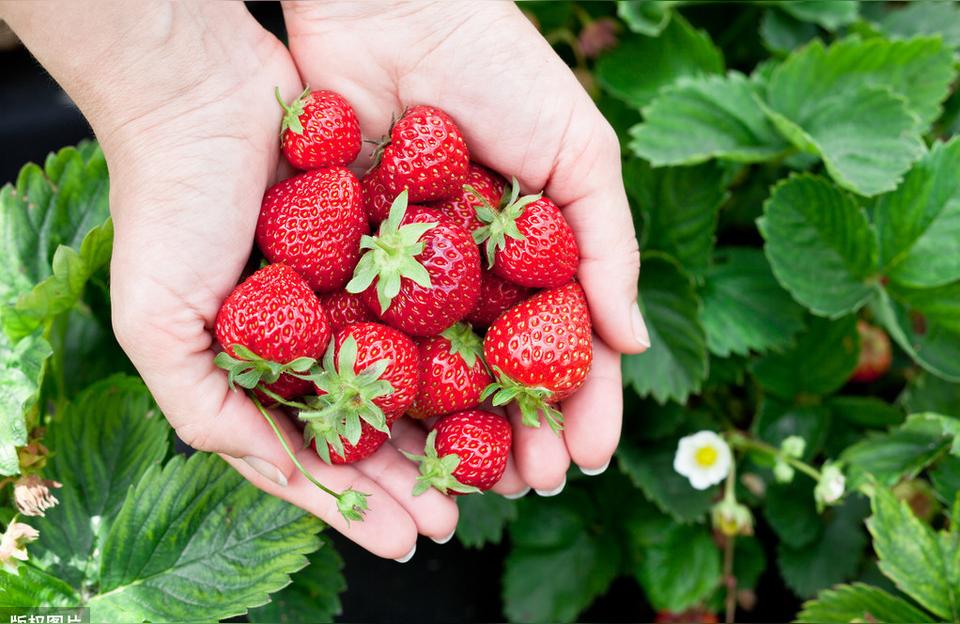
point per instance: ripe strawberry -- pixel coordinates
(319, 129)
(425, 154)
(339, 451)
(369, 374)
(376, 197)
(693, 615)
(466, 452)
(421, 273)
(344, 309)
(271, 324)
(528, 241)
(875, 353)
(452, 373)
(540, 352)
(497, 295)
(313, 223)
(462, 207)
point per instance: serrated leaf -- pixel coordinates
(830, 14)
(744, 308)
(22, 367)
(912, 556)
(647, 17)
(679, 568)
(929, 343)
(859, 603)
(834, 557)
(820, 361)
(899, 453)
(919, 222)
(314, 594)
(699, 119)
(923, 18)
(679, 207)
(483, 518)
(650, 468)
(640, 66)
(676, 364)
(189, 543)
(33, 587)
(790, 510)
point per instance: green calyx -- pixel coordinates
(347, 400)
(499, 224)
(391, 256)
(352, 505)
(531, 401)
(248, 370)
(464, 341)
(437, 472)
(292, 111)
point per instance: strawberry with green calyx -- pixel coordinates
(465, 452)
(248, 370)
(319, 129)
(527, 240)
(462, 207)
(452, 372)
(540, 352)
(334, 448)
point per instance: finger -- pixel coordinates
(541, 456)
(511, 484)
(387, 530)
(593, 416)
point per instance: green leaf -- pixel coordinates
(827, 13)
(679, 568)
(920, 220)
(946, 479)
(650, 468)
(647, 17)
(744, 308)
(927, 393)
(679, 207)
(865, 412)
(939, 305)
(902, 452)
(749, 562)
(557, 565)
(33, 587)
(777, 420)
(640, 66)
(932, 345)
(819, 363)
(782, 33)
(710, 117)
(676, 365)
(859, 603)
(483, 518)
(22, 368)
(924, 18)
(912, 556)
(189, 543)
(832, 558)
(791, 512)
(106, 440)
(314, 594)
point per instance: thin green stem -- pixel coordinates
(739, 440)
(279, 399)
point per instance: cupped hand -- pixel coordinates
(523, 113)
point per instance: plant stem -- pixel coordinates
(743, 442)
(279, 399)
(729, 580)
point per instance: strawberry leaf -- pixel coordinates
(860, 603)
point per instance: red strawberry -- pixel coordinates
(466, 452)
(425, 154)
(319, 129)
(528, 241)
(376, 197)
(540, 351)
(452, 373)
(370, 374)
(462, 207)
(313, 222)
(344, 309)
(875, 353)
(340, 451)
(421, 273)
(271, 324)
(497, 295)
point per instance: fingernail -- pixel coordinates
(517, 495)
(554, 491)
(592, 472)
(640, 333)
(266, 469)
(444, 540)
(407, 557)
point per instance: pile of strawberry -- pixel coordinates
(427, 288)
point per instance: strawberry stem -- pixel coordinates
(292, 111)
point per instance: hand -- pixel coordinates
(522, 113)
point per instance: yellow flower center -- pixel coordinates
(705, 456)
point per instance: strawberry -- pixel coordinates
(497, 295)
(875, 353)
(369, 374)
(270, 325)
(425, 154)
(319, 129)
(540, 352)
(452, 373)
(462, 207)
(344, 309)
(528, 242)
(313, 222)
(376, 198)
(339, 450)
(421, 273)
(465, 452)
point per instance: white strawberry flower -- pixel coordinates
(831, 487)
(704, 458)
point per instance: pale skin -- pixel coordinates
(181, 98)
